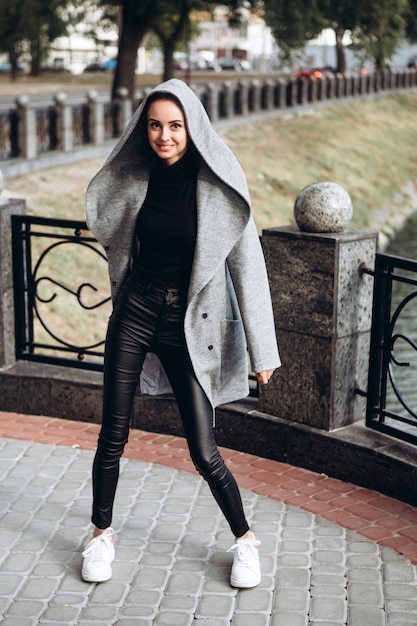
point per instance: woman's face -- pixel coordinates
(167, 133)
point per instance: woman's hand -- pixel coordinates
(263, 377)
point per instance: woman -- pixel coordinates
(171, 208)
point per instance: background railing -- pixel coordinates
(27, 131)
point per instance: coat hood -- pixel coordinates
(132, 155)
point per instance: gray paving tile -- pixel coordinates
(171, 566)
(289, 619)
(370, 616)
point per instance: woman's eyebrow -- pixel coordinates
(153, 119)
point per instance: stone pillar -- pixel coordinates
(244, 97)
(27, 128)
(282, 94)
(355, 85)
(292, 90)
(229, 99)
(8, 208)
(340, 86)
(255, 87)
(323, 308)
(302, 91)
(313, 89)
(363, 84)
(330, 88)
(268, 89)
(64, 122)
(212, 102)
(96, 118)
(125, 104)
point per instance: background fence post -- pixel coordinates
(96, 118)
(27, 128)
(64, 122)
(126, 107)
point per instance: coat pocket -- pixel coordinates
(234, 361)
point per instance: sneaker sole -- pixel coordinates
(246, 585)
(94, 579)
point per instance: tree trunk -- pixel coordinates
(35, 64)
(169, 49)
(13, 58)
(170, 41)
(133, 28)
(340, 53)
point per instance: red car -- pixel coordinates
(317, 73)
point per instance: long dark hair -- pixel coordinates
(163, 95)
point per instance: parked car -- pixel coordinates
(317, 72)
(7, 67)
(104, 66)
(109, 65)
(412, 62)
(93, 67)
(202, 65)
(230, 64)
(207, 66)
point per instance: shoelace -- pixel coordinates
(96, 548)
(243, 552)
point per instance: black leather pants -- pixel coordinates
(149, 318)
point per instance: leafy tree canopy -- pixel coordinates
(29, 26)
(377, 26)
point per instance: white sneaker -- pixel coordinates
(246, 571)
(98, 556)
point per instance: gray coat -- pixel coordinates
(229, 309)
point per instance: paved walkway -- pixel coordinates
(331, 553)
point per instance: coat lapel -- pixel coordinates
(221, 218)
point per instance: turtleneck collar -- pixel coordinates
(188, 164)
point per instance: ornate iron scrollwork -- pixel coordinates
(81, 348)
(394, 361)
(64, 306)
(391, 394)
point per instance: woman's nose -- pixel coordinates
(165, 132)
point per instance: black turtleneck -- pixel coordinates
(166, 227)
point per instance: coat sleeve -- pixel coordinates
(248, 272)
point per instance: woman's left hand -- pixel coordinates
(263, 377)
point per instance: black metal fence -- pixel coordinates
(61, 291)
(392, 383)
(62, 305)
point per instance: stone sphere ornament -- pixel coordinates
(323, 208)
